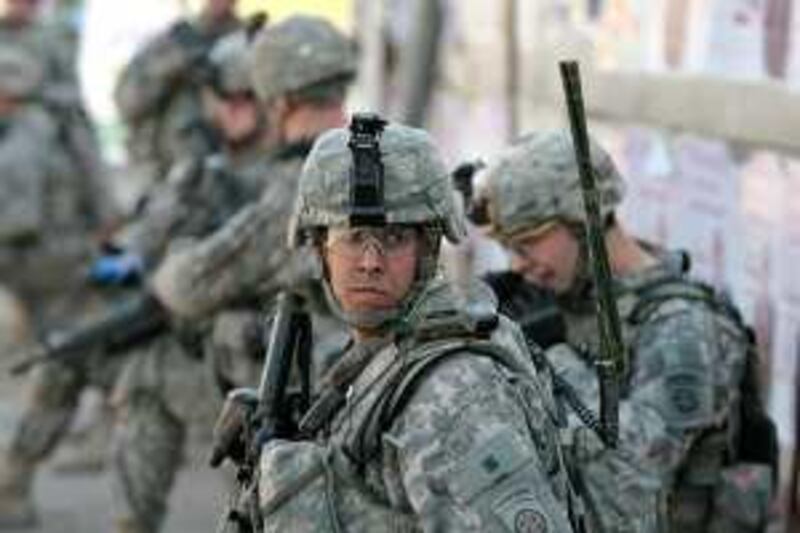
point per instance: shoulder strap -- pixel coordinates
(400, 387)
(652, 295)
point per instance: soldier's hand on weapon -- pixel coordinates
(120, 268)
(234, 427)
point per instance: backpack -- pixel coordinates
(739, 498)
(757, 439)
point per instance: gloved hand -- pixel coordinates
(233, 426)
(122, 268)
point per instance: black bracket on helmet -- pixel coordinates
(366, 176)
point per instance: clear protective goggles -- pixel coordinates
(389, 241)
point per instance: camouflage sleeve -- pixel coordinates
(23, 172)
(673, 386)
(149, 77)
(470, 459)
(166, 214)
(245, 259)
(636, 488)
(62, 87)
(246, 255)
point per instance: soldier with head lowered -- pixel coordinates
(686, 405)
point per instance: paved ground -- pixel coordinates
(81, 503)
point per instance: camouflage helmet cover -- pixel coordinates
(536, 181)
(298, 53)
(416, 186)
(21, 74)
(229, 57)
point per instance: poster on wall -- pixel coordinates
(706, 207)
(762, 201)
(621, 39)
(734, 39)
(645, 161)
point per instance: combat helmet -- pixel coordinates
(300, 52)
(376, 173)
(21, 74)
(535, 181)
(229, 59)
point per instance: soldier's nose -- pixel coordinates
(371, 258)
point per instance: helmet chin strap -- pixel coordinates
(372, 320)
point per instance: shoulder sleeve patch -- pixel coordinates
(487, 465)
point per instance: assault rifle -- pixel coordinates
(128, 324)
(249, 419)
(611, 364)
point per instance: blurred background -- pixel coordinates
(699, 101)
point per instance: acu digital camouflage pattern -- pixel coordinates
(165, 395)
(196, 199)
(536, 181)
(203, 190)
(21, 74)
(46, 209)
(158, 94)
(680, 409)
(417, 187)
(230, 58)
(298, 53)
(473, 449)
(53, 49)
(248, 258)
(686, 363)
(245, 259)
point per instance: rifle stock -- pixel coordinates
(612, 363)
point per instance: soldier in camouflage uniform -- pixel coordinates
(55, 48)
(679, 414)
(434, 418)
(302, 69)
(43, 227)
(159, 93)
(199, 195)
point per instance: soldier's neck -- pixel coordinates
(307, 122)
(625, 255)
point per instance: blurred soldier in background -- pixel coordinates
(158, 94)
(686, 422)
(199, 195)
(300, 69)
(45, 217)
(55, 48)
(51, 208)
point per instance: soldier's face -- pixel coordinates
(220, 8)
(371, 269)
(7, 105)
(21, 10)
(547, 258)
(236, 117)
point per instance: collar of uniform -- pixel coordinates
(669, 264)
(444, 311)
(216, 27)
(294, 149)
